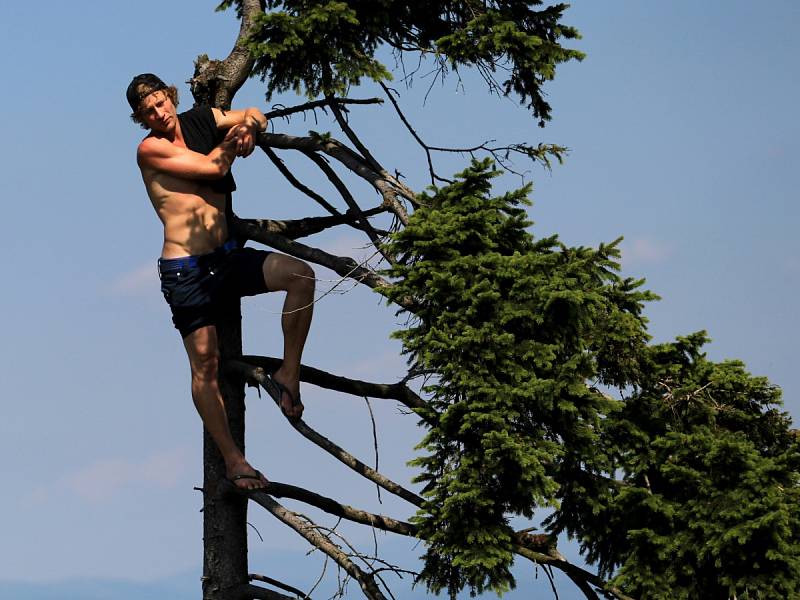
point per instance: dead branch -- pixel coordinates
(330, 101)
(583, 586)
(309, 531)
(351, 135)
(387, 391)
(548, 571)
(540, 153)
(259, 375)
(366, 559)
(298, 228)
(543, 544)
(351, 203)
(279, 584)
(555, 559)
(331, 506)
(254, 592)
(281, 166)
(386, 186)
(415, 135)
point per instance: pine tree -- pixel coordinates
(685, 486)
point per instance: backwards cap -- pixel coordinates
(141, 86)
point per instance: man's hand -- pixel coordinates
(246, 137)
(243, 125)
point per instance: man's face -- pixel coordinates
(158, 112)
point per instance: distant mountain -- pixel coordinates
(188, 588)
(185, 589)
(531, 582)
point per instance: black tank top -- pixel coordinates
(201, 135)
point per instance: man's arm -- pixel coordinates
(251, 117)
(160, 155)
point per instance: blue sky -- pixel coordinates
(684, 137)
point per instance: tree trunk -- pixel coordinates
(225, 517)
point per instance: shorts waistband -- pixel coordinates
(166, 265)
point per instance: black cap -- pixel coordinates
(141, 86)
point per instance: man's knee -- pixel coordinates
(205, 366)
(303, 279)
(286, 273)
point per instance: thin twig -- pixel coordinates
(351, 135)
(434, 176)
(549, 573)
(374, 443)
(321, 576)
(258, 533)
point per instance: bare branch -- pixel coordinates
(296, 182)
(583, 586)
(331, 101)
(549, 572)
(351, 203)
(388, 391)
(309, 531)
(434, 176)
(388, 187)
(540, 153)
(279, 584)
(540, 544)
(254, 592)
(298, 228)
(351, 135)
(330, 506)
(366, 559)
(572, 571)
(259, 375)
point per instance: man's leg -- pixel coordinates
(296, 278)
(201, 346)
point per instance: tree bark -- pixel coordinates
(225, 515)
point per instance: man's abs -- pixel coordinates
(192, 214)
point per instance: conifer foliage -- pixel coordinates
(707, 506)
(322, 47)
(685, 487)
(513, 328)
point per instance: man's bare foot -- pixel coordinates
(245, 477)
(290, 404)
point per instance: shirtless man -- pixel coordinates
(185, 162)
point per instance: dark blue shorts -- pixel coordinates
(200, 288)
